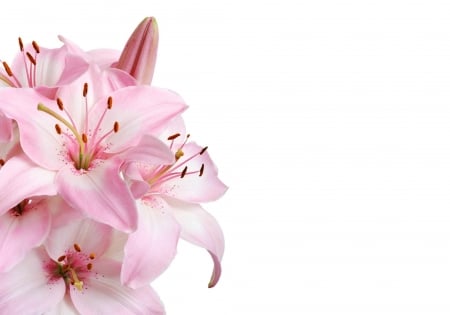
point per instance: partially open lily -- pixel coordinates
(138, 57)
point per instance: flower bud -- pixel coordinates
(138, 57)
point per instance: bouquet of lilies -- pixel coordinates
(98, 180)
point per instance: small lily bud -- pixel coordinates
(138, 57)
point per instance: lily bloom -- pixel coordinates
(85, 135)
(138, 57)
(168, 203)
(73, 273)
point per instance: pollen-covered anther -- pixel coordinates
(20, 44)
(2, 162)
(85, 89)
(61, 258)
(110, 102)
(116, 126)
(31, 58)
(60, 104)
(183, 173)
(7, 69)
(173, 137)
(91, 256)
(179, 154)
(84, 138)
(36, 47)
(89, 266)
(77, 247)
(202, 169)
(58, 129)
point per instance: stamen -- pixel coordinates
(85, 89)
(31, 58)
(203, 150)
(91, 256)
(201, 170)
(75, 281)
(20, 44)
(179, 154)
(2, 162)
(89, 266)
(60, 104)
(77, 247)
(116, 126)
(7, 69)
(58, 129)
(183, 173)
(36, 47)
(61, 258)
(84, 138)
(110, 101)
(173, 137)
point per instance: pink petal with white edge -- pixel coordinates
(19, 234)
(26, 288)
(152, 247)
(29, 180)
(192, 187)
(103, 294)
(200, 228)
(100, 193)
(91, 236)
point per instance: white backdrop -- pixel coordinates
(330, 122)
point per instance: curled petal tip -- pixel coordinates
(138, 57)
(216, 272)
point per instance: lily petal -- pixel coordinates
(100, 193)
(200, 228)
(152, 247)
(29, 180)
(106, 295)
(84, 232)
(26, 288)
(19, 234)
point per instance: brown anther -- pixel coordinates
(173, 137)
(179, 154)
(84, 138)
(109, 102)
(91, 256)
(36, 47)
(203, 150)
(7, 69)
(85, 89)
(116, 126)
(31, 58)
(20, 44)
(188, 135)
(2, 162)
(202, 168)
(89, 266)
(61, 258)
(72, 282)
(58, 129)
(60, 104)
(77, 247)
(183, 173)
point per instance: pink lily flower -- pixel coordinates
(87, 133)
(169, 197)
(73, 273)
(138, 57)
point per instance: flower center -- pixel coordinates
(30, 62)
(74, 267)
(85, 144)
(18, 210)
(179, 168)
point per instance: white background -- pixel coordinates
(330, 122)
